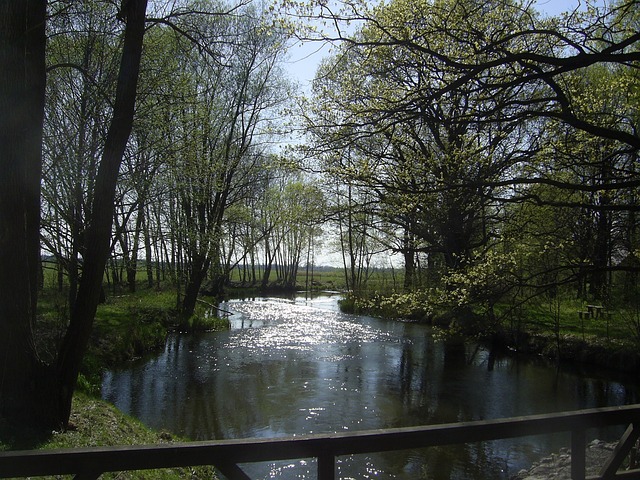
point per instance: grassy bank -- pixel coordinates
(127, 326)
(97, 423)
(564, 330)
(559, 329)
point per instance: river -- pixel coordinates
(292, 367)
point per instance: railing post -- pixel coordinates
(326, 467)
(621, 451)
(578, 454)
(232, 471)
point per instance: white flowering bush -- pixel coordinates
(484, 281)
(415, 305)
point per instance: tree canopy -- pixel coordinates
(460, 122)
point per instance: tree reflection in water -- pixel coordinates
(290, 368)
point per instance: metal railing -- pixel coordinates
(226, 455)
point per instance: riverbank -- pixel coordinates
(127, 327)
(566, 338)
(564, 342)
(93, 423)
(597, 352)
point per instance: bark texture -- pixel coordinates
(22, 91)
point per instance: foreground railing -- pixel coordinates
(90, 463)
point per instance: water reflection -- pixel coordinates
(294, 367)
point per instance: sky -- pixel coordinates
(304, 60)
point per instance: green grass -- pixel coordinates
(562, 317)
(96, 423)
(127, 326)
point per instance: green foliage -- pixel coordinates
(93, 364)
(89, 384)
(508, 177)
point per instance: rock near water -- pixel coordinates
(557, 466)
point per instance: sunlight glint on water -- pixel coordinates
(295, 367)
(300, 328)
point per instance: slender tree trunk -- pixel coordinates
(147, 249)
(268, 265)
(197, 274)
(99, 229)
(76, 213)
(132, 262)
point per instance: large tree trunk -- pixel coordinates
(22, 93)
(601, 250)
(99, 229)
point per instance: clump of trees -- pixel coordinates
(137, 135)
(495, 149)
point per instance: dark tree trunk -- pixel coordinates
(598, 286)
(601, 250)
(22, 91)
(99, 229)
(409, 261)
(36, 81)
(269, 258)
(147, 250)
(197, 274)
(29, 391)
(455, 237)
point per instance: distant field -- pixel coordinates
(331, 278)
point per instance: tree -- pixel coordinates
(539, 52)
(22, 97)
(98, 235)
(82, 55)
(418, 155)
(299, 208)
(457, 111)
(225, 112)
(31, 391)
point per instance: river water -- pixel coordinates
(292, 367)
